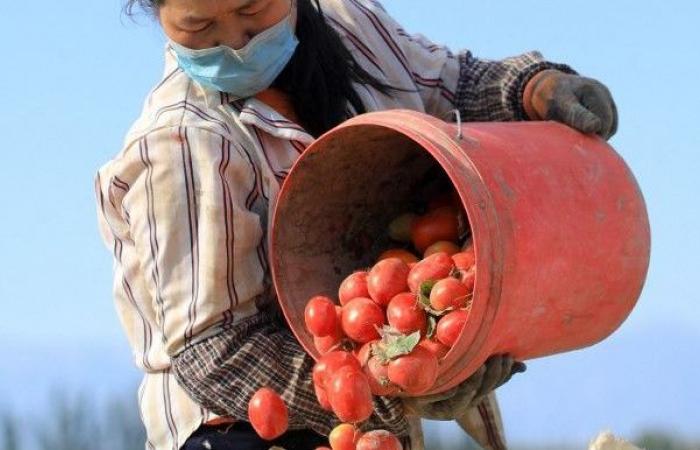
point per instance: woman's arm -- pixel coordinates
(494, 90)
(481, 89)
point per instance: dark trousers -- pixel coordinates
(241, 436)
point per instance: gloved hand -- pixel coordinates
(454, 402)
(580, 102)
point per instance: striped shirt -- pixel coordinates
(184, 205)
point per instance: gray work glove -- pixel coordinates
(453, 403)
(582, 103)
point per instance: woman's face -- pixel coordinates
(198, 24)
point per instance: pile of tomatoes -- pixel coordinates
(394, 322)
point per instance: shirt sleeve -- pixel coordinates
(186, 208)
(480, 89)
(408, 62)
(223, 372)
(492, 90)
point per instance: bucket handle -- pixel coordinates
(458, 116)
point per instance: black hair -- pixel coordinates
(319, 78)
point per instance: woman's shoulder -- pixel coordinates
(177, 101)
(365, 26)
(354, 16)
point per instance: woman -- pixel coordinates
(184, 206)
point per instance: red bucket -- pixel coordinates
(559, 226)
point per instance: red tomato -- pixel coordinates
(360, 320)
(434, 267)
(386, 279)
(448, 293)
(364, 353)
(330, 363)
(328, 343)
(320, 316)
(344, 437)
(331, 342)
(416, 372)
(350, 395)
(450, 326)
(442, 246)
(441, 224)
(436, 348)
(322, 397)
(379, 440)
(465, 259)
(378, 377)
(268, 414)
(403, 255)
(468, 278)
(404, 314)
(354, 286)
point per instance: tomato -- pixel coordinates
(268, 414)
(442, 246)
(434, 267)
(448, 293)
(403, 255)
(450, 326)
(320, 316)
(465, 259)
(379, 440)
(400, 228)
(328, 343)
(436, 348)
(441, 224)
(354, 286)
(322, 397)
(378, 377)
(386, 279)
(330, 363)
(350, 395)
(360, 319)
(344, 437)
(404, 314)
(334, 340)
(364, 353)
(468, 278)
(416, 372)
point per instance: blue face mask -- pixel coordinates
(244, 72)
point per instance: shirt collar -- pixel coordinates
(256, 113)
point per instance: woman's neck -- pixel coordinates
(279, 101)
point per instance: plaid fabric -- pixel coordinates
(223, 372)
(493, 90)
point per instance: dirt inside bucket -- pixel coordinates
(343, 198)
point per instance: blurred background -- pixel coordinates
(73, 78)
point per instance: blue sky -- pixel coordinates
(74, 76)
